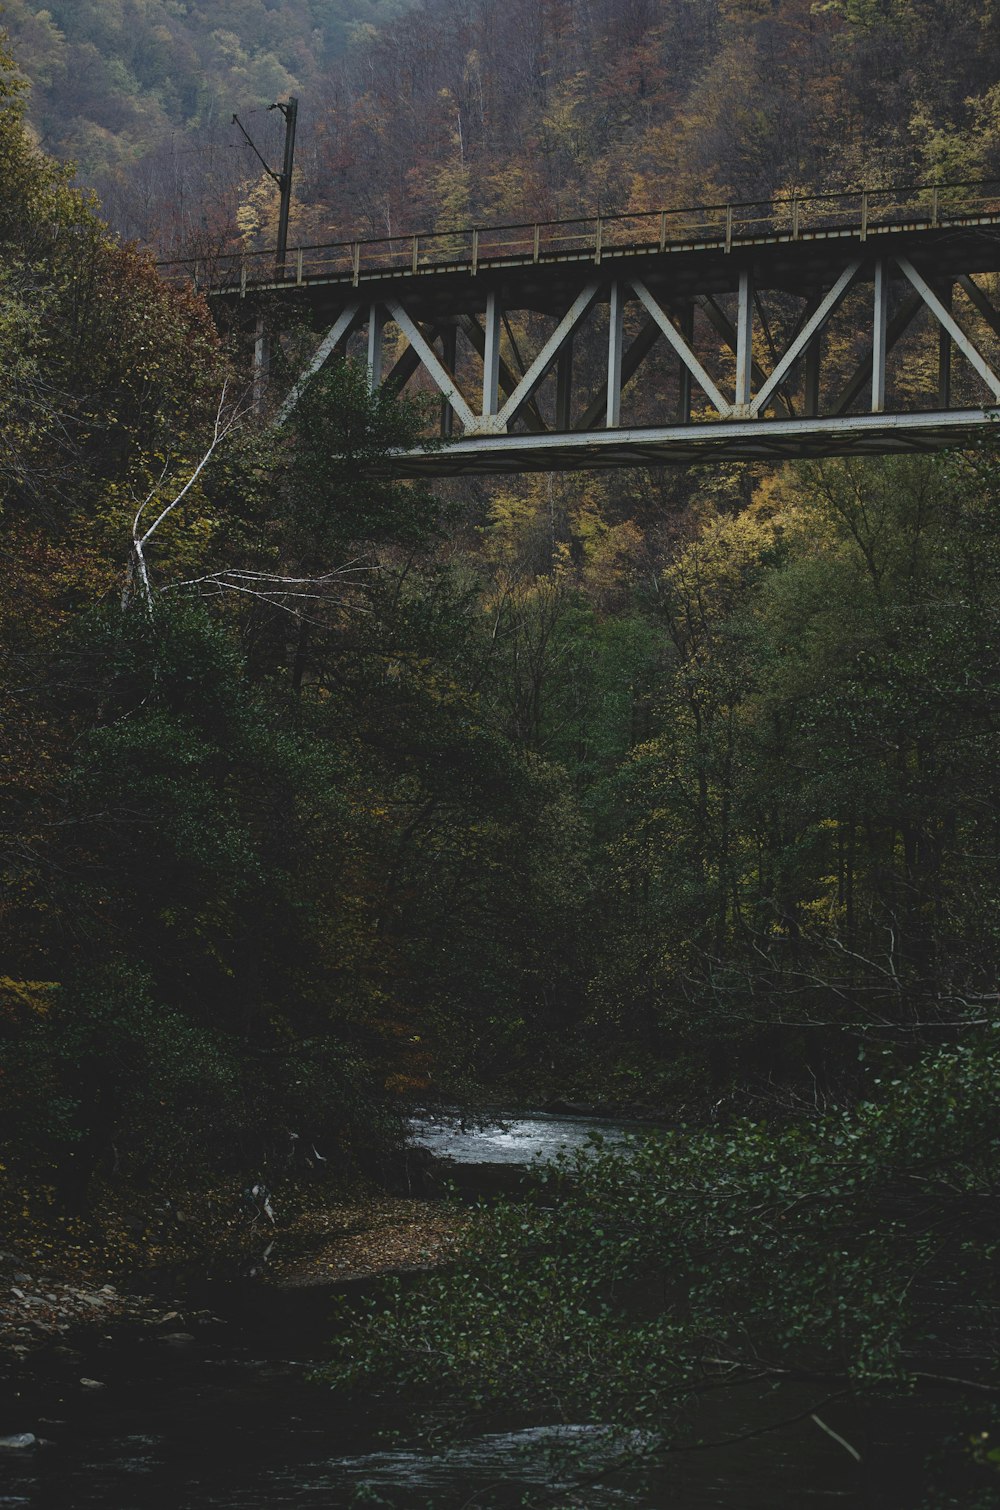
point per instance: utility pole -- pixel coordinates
(262, 340)
(290, 111)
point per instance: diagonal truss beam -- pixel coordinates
(911, 282)
(546, 356)
(403, 368)
(340, 328)
(979, 301)
(948, 322)
(682, 348)
(433, 364)
(811, 328)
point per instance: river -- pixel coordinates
(231, 1419)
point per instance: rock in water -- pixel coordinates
(21, 1442)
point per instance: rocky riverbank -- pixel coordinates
(40, 1307)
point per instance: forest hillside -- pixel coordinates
(132, 91)
(442, 112)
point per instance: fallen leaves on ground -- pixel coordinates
(364, 1237)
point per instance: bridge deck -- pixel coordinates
(791, 221)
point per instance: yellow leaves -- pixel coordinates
(514, 191)
(949, 154)
(259, 209)
(34, 996)
(609, 551)
(558, 531)
(827, 912)
(361, 34)
(659, 176)
(711, 573)
(453, 199)
(563, 121)
(510, 515)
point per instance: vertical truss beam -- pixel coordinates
(564, 386)
(744, 344)
(721, 322)
(880, 325)
(636, 353)
(491, 356)
(616, 327)
(684, 374)
(376, 325)
(261, 361)
(509, 379)
(814, 364)
(862, 378)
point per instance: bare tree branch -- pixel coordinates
(137, 566)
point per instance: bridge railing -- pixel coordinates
(789, 216)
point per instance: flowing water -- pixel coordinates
(516, 1140)
(232, 1420)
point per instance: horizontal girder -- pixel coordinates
(686, 445)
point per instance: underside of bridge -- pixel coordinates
(854, 339)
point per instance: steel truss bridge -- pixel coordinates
(844, 324)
